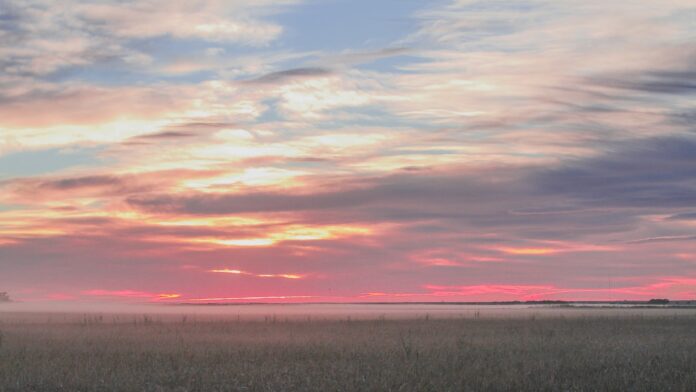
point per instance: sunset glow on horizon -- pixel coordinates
(347, 151)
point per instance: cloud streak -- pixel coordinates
(291, 74)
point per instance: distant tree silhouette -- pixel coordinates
(659, 301)
(4, 297)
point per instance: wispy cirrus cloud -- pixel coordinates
(290, 74)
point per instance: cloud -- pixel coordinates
(653, 172)
(654, 82)
(391, 189)
(82, 182)
(166, 135)
(291, 74)
(362, 57)
(271, 298)
(501, 142)
(130, 295)
(185, 132)
(86, 105)
(234, 21)
(239, 272)
(38, 190)
(683, 216)
(601, 198)
(36, 40)
(664, 239)
(36, 43)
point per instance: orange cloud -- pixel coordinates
(256, 298)
(7, 241)
(286, 276)
(130, 294)
(168, 296)
(292, 232)
(243, 242)
(239, 272)
(486, 290)
(528, 251)
(553, 247)
(227, 271)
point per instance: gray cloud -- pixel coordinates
(683, 216)
(181, 132)
(166, 135)
(655, 172)
(680, 82)
(81, 182)
(326, 65)
(676, 238)
(649, 172)
(203, 126)
(353, 58)
(599, 195)
(290, 74)
(387, 190)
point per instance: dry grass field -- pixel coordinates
(179, 353)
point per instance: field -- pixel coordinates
(563, 350)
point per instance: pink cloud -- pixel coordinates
(130, 295)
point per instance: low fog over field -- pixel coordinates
(70, 310)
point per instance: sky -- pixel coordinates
(347, 150)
